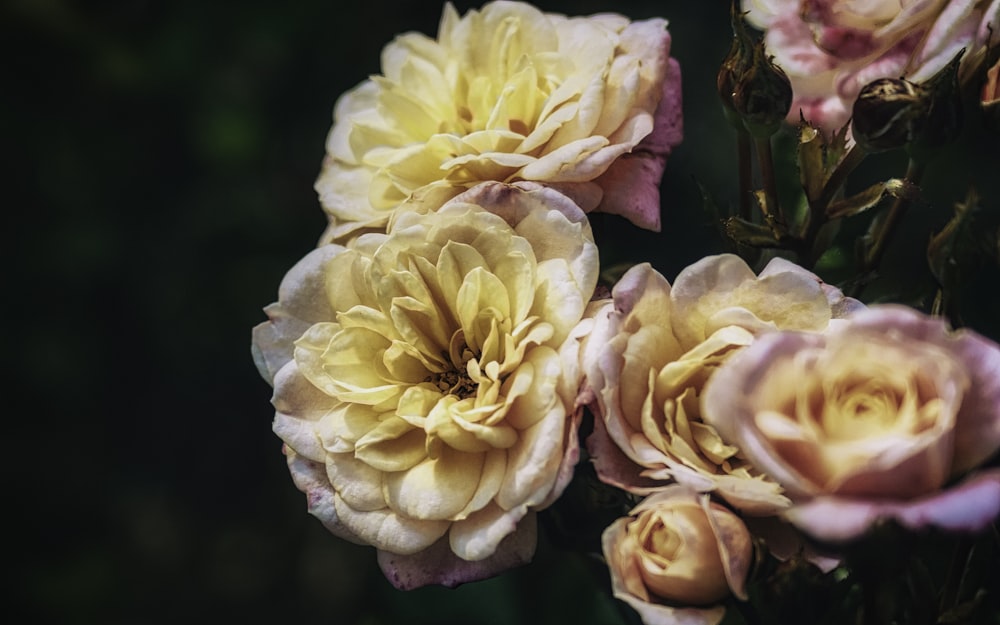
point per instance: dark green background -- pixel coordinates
(158, 162)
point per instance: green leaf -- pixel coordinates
(747, 233)
(812, 162)
(871, 197)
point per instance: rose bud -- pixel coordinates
(894, 112)
(763, 95)
(736, 63)
(678, 557)
(888, 114)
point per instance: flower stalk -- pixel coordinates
(885, 228)
(745, 161)
(771, 207)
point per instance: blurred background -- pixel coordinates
(158, 166)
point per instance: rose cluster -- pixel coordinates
(423, 356)
(445, 357)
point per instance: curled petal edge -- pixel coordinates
(631, 184)
(439, 565)
(969, 506)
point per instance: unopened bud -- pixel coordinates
(888, 113)
(736, 63)
(892, 113)
(756, 94)
(762, 95)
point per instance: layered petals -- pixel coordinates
(506, 93)
(424, 404)
(677, 557)
(873, 420)
(654, 346)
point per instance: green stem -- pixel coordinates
(817, 217)
(745, 171)
(887, 228)
(847, 164)
(772, 210)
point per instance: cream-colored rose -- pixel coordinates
(830, 49)
(418, 379)
(507, 93)
(653, 348)
(867, 421)
(677, 557)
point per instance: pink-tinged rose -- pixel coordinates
(830, 49)
(677, 557)
(875, 419)
(590, 105)
(422, 388)
(653, 347)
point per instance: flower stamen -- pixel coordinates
(454, 382)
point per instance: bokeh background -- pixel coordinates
(157, 164)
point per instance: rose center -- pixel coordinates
(662, 542)
(456, 381)
(863, 411)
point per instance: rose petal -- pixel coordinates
(299, 406)
(301, 302)
(631, 185)
(310, 478)
(439, 565)
(969, 506)
(977, 430)
(614, 467)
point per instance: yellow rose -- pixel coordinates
(830, 49)
(677, 557)
(868, 421)
(507, 93)
(653, 348)
(419, 386)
